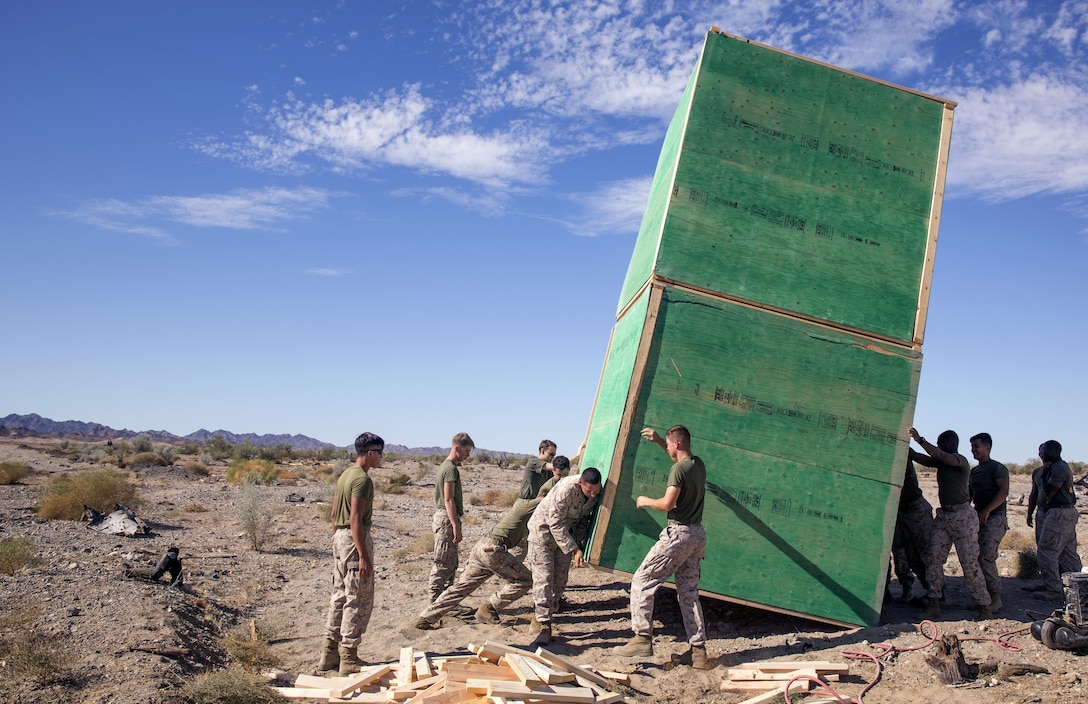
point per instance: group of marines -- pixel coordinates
(972, 516)
(531, 548)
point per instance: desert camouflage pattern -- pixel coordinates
(678, 550)
(550, 567)
(1057, 546)
(990, 534)
(957, 526)
(445, 555)
(488, 557)
(352, 599)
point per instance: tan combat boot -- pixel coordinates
(639, 646)
(487, 613)
(330, 657)
(349, 661)
(545, 635)
(699, 660)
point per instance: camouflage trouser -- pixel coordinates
(913, 540)
(956, 526)
(1057, 553)
(678, 551)
(488, 557)
(551, 569)
(990, 534)
(445, 554)
(352, 597)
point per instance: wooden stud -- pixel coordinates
(406, 670)
(571, 667)
(520, 667)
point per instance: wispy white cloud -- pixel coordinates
(614, 208)
(238, 210)
(1021, 138)
(540, 83)
(327, 272)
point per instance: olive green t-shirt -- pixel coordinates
(448, 472)
(353, 483)
(535, 474)
(690, 475)
(954, 482)
(514, 526)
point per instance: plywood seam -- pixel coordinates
(828, 325)
(638, 370)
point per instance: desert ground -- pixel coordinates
(134, 641)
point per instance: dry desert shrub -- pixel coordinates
(232, 686)
(101, 489)
(498, 497)
(249, 647)
(397, 483)
(196, 468)
(195, 508)
(15, 554)
(146, 459)
(255, 517)
(1018, 540)
(422, 543)
(253, 472)
(12, 472)
(27, 652)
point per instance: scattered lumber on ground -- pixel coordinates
(493, 674)
(773, 678)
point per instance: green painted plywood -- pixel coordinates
(798, 186)
(799, 425)
(615, 385)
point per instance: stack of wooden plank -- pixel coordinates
(772, 678)
(493, 673)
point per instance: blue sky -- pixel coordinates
(415, 217)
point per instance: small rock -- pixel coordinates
(1070, 679)
(72, 611)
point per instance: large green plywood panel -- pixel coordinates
(798, 186)
(615, 385)
(800, 426)
(649, 232)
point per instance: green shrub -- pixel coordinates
(146, 459)
(13, 472)
(28, 653)
(141, 443)
(165, 451)
(16, 554)
(188, 448)
(252, 471)
(231, 686)
(397, 483)
(101, 489)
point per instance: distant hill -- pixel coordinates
(34, 425)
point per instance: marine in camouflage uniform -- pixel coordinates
(352, 600)
(446, 522)
(989, 491)
(552, 542)
(913, 534)
(1057, 542)
(679, 549)
(956, 523)
(496, 554)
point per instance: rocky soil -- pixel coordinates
(133, 641)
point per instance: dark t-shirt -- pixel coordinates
(690, 475)
(954, 482)
(1061, 476)
(535, 474)
(911, 491)
(984, 484)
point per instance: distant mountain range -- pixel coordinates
(33, 425)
